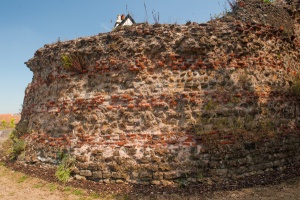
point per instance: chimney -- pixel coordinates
(122, 17)
(118, 19)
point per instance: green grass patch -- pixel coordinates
(78, 192)
(52, 187)
(22, 179)
(95, 195)
(67, 189)
(39, 185)
(64, 169)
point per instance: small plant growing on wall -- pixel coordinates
(63, 171)
(66, 61)
(268, 1)
(73, 62)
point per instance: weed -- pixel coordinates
(13, 145)
(64, 169)
(39, 185)
(67, 61)
(95, 195)
(22, 179)
(78, 192)
(52, 187)
(72, 62)
(67, 189)
(146, 12)
(155, 17)
(199, 176)
(211, 105)
(125, 197)
(181, 183)
(232, 4)
(18, 147)
(268, 1)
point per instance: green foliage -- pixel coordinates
(182, 183)
(95, 195)
(3, 123)
(63, 171)
(12, 123)
(73, 62)
(14, 146)
(67, 189)
(52, 187)
(211, 105)
(268, 1)
(18, 147)
(67, 61)
(200, 176)
(22, 179)
(78, 192)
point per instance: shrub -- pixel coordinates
(12, 123)
(3, 123)
(14, 146)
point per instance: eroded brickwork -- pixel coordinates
(159, 103)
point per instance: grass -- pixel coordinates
(22, 179)
(67, 189)
(95, 195)
(39, 185)
(55, 189)
(78, 192)
(52, 187)
(67, 61)
(64, 169)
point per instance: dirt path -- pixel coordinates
(15, 185)
(18, 186)
(288, 190)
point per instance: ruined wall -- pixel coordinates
(159, 103)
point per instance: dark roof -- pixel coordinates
(127, 17)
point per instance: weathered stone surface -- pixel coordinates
(97, 174)
(85, 173)
(78, 177)
(219, 97)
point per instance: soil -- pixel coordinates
(21, 181)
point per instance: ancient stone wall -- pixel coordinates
(160, 103)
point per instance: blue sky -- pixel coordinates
(26, 25)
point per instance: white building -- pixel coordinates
(124, 21)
